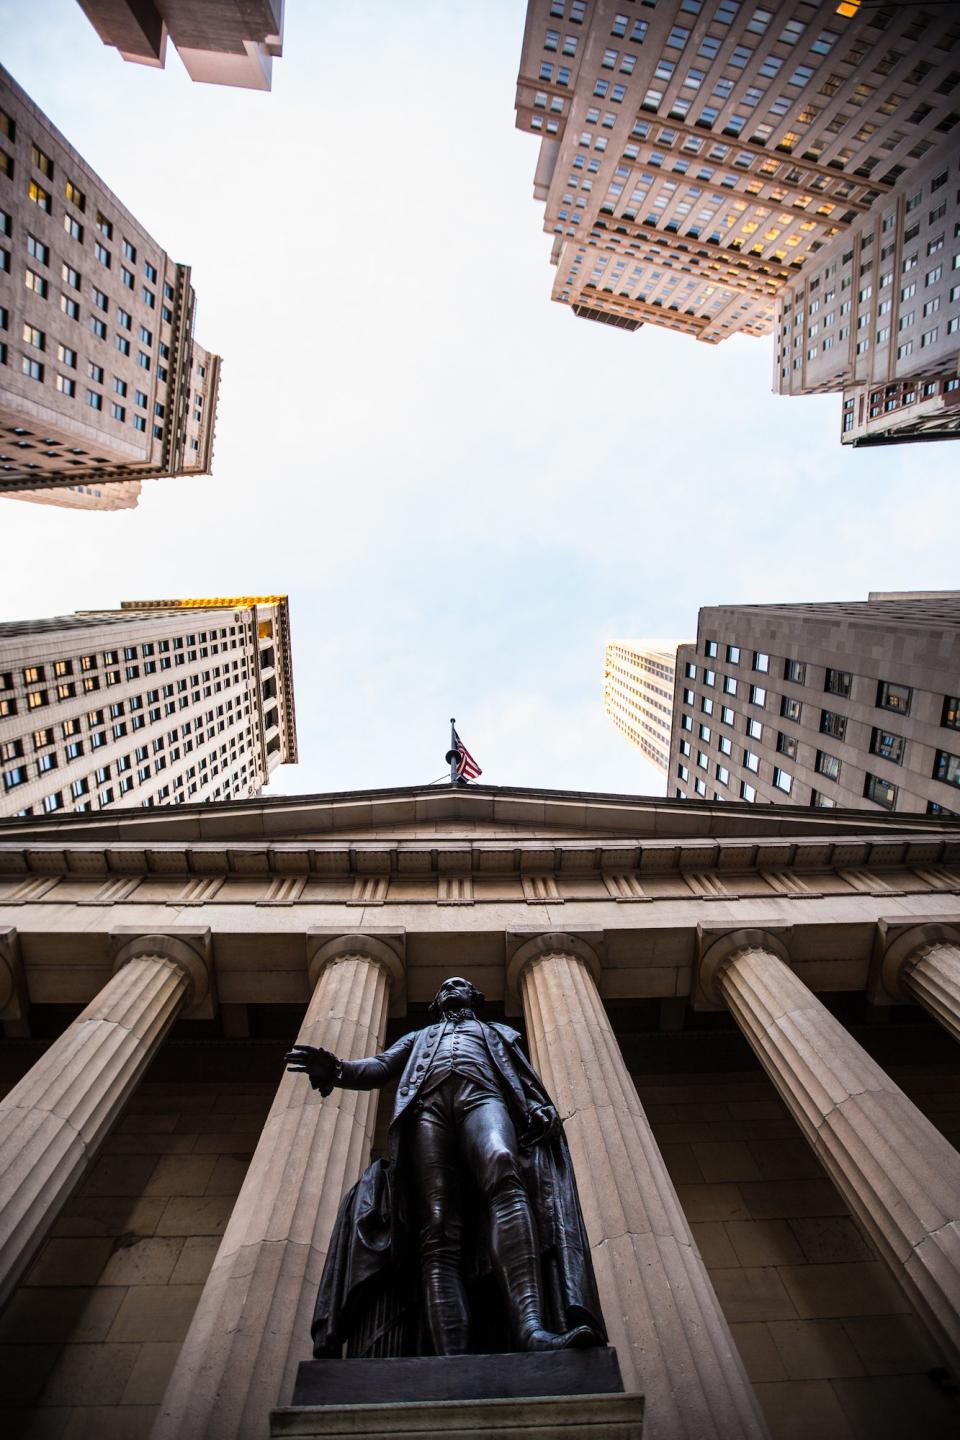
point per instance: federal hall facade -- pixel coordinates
(747, 1017)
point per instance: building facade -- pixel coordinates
(101, 378)
(837, 704)
(638, 682)
(222, 42)
(702, 165)
(745, 1015)
(157, 703)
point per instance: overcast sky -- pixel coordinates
(464, 490)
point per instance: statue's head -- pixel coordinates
(456, 994)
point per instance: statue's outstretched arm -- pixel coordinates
(325, 1070)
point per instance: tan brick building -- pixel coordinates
(638, 680)
(718, 168)
(101, 378)
(746, 1015)
(159, 702)
(223, 42)
(837, 704)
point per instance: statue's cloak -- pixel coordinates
(369, 1292)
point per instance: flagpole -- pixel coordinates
(452, 756)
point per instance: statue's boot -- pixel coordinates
(581, 1337)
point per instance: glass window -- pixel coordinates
(833, 724)
(710, 649)
(838, 682)
(747, 792)
(828, 765)
(751, 760)
(891, 747)
(821, 801)
(686, 722)
(787, 745)
(795, 671)
(704, 733)
(947, 768)
(688, 697)
(880, 791)
(709, 677)
(761, 661)
(733, 654)
(726, 745)
(729, 685)
(726, 715)
(723, 774)
(706, 705)
(758, 696)
(755, 729)
(690, 671)
(951, 712)
(894, 697)
(790, 709)
(783, 781)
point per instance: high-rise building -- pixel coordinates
(838, 704)
(768, 1174)
(638, 678)
(721, 168)
(100, 376)
(156, 703)
(224, 42)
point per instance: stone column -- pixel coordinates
(53, 1122)
(922, 964)
(895, 1170)
(661, 1311)
(252, 1324)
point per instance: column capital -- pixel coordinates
(525, 946)
(717, 946)
(13, 989)
(188, 946)
(904, 946)
(386, 948)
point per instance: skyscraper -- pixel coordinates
(100, 376)
(839, 704)
(638, 679)
(224, 42)
(710, 167)
(156, 703)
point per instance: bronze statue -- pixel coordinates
(477, 1182)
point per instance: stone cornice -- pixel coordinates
(414, 858)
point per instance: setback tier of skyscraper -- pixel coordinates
(710, 167)
(842, 704)
(159, 702)
(224, 42)
(101, 379)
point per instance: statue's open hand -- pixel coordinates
(321, 1065)
(543, 1123)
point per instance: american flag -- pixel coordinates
(467, 767)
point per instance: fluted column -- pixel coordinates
(895, 1170)
(53, 1122)
(923, 964)
(252, 1323)
(661, 1311)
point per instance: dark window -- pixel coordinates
(787, 744)
(833, 724)
(880, 791)
(838, 682)
(790, 709)
(934, 809)
(894, 697)
(891, 747)
(951, 712)
(795, 671)
(828, 765)
(946, 767)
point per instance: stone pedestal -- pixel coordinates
(252, 1324)
(595, 1417)
(661, 1311)
(923, 965)
(897, 1173)
(53, 1122)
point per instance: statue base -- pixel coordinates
(557, 1395)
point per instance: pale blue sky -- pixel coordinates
(464, 489)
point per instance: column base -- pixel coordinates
(597, 1417)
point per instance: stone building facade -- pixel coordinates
(158, 702)
(719, 168)
(747, 1017)
(101, 378)
(844, 703)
